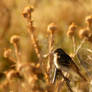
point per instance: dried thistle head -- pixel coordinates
(12, 74)
(71, 30)
(84, 33)
(14, 39)
(90, 37)
(52, 28)
(88, 20)
(32, 78)
(27, 11)
(7, 53)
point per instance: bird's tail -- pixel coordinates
(78, 72)
(76, 69)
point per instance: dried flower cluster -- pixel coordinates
(88, 20)
(86, 32)
(51, 30)
(71, 30)
(14, 39)
(36, 77)
(27, 13)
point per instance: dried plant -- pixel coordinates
(7, 54)
(27, 13)
(71, 34)
(25, 76)
(85, 34)
(51, 30)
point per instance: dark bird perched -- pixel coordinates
(63, 62)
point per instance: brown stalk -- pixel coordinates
(81, 44)
(84, 35)
(71, 34)
(50, 57)
(17, 52)
(34, 41)
(27, 13)
(51, 30)
(74, 43)
(15, 40)
(7, 54)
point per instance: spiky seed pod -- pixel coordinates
(73, 27)
(88, 20)
(70, 33)
(32, 79)
(84, 33)
(14, 39)
(71, 30)
(52, 28)
(12, 74)
(27, 11)
(7, 53)
(90, 37)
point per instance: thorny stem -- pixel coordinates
(81, 44)
(50, 57)
(17, 52)
(33, 38)
(74, 44)
(18, 56)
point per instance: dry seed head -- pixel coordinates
(27, 11)
(52, 28)
(14, 39)
(7, 53)
(90, 37)
(73, 27)
(71, 30)
(32, 82)
(12, 74)
(84, 33)
(32, 78)
(70, 33)
(88, 19)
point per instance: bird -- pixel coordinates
(64, 62)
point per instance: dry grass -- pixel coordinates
(29, 36)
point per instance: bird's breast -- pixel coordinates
(58, 64)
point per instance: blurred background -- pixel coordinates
(61, 12)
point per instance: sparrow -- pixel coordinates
(63, 62)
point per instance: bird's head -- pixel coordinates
(59, 51)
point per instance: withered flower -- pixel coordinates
(7, 53)
(14, 39)
(52, 28)
(71, 30)
(88, 20)
(27, 11)
(84, 33)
